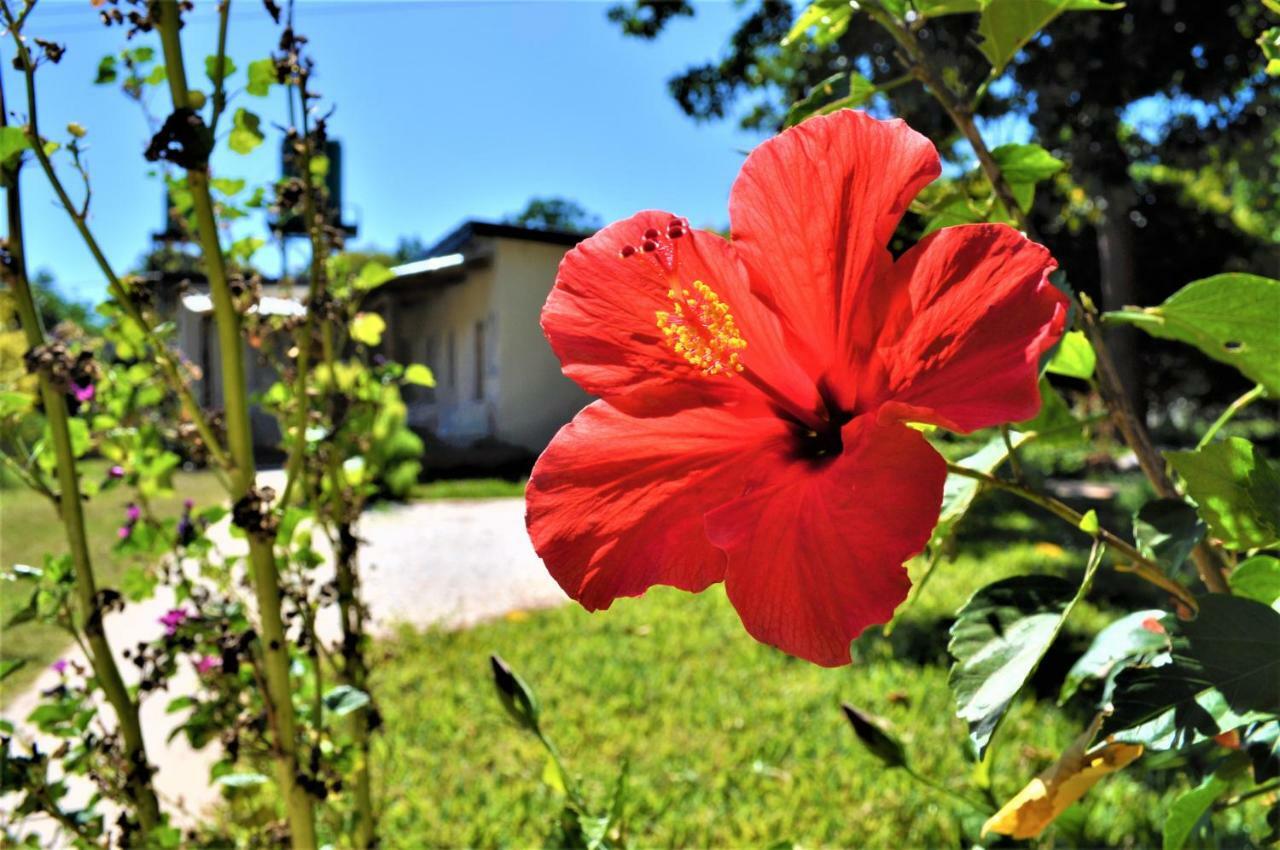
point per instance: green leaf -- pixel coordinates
(1026, 163)
(1054, 424)
(27, 613)
(1269, 41)
(228, 185)
(1230, 317)
(1126, 639)
(1188, 808)
(998, 640)
(873, 735)
(137, 584)
(416, 373)
(1089, 522)
(1166, 530)
(823, 21)
(959, 491)
(1007, 25)
(1074, 358)
(106, 70)
(956, 211)
(9, 666)
(262, 76)
(157, 76)
(846, 90)
(1223, 673)
(218, 71)
(344, 699)
(1237, 489)
(367, 328)
(372, 275)
(1258, 578)
(245, 133)
(12, 140)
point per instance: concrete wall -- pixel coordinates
(536, 400)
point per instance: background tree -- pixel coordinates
(556, 214)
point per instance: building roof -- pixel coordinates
(446, 261)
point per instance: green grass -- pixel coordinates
(30, 528)
(730, 743)
(468, 488)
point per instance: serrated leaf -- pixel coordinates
(1074, 357)
(1166, 530)
(344, 699)
(823, 21)
(367, 328)
(998, 640)
(1258, 579)
(217, 71)
(1129, 638)
(846, 90)
(1026, 163)
(245, 134)
(1236, 489)
(1229, 317)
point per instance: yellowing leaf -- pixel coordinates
(367, 328)
(1036, 806)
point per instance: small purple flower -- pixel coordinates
(172, 619)
(59, 666)
(207, 663)
(132, 512)
(124, 531)
(82, 394)
(115, 472)
(188, 504)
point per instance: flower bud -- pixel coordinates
(516, 696)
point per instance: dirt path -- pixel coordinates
(447, 562)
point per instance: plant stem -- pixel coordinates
(164, 357)
(1228, 414)
(938, 786)
(1142, 566)
(138, 786)
(1269, 788)
(1208, 562)
(299, 804)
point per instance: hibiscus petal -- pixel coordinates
(964, 353)
(818, 556)
(812, 212)
(602, 316)
(615, 504)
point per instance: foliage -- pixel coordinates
(556, 214)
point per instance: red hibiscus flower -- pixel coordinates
(753, 392)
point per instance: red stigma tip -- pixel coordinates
(627, 251)
(675, 231)
(650, 245)
(651, 233)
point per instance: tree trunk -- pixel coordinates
(1116, 269)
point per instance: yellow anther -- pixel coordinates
(705, 335)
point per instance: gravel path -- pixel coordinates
(445, 562)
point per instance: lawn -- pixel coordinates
(468, 488)
(30, 528)
(730, 743)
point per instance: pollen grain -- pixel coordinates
(701, 329)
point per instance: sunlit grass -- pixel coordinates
(468, 488)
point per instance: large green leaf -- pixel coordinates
(1074, 357)
(1230, 317)
(1258, 579)
(1131, 637)
(1166, 530)
(1223, 673)
(1026, 163)
(823, 21)
(262, 75)
(12, 140)
(846, 90)
(1237, 489)
(1007, 25)
(1055, 424)
(998, 640)
(1190, 806)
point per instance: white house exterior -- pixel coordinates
(470, 311)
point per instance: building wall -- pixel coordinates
(535, 400)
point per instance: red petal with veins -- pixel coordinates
(962, 343)
(615, 504)
(812, 212)
(818, 556)
(601, 317)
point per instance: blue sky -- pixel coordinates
(446, 111)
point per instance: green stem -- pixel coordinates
(299, 805)
(137, 769)
(938, 786)
(1268, 788)
(1229, 414)
(1142, 566)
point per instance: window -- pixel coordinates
(480, 364)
